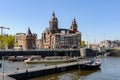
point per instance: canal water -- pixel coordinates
(110, 70)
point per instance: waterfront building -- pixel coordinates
(110, 44)
(115, 43)
(53, 37)
(39, 44)
(26, 40)
(106, 43)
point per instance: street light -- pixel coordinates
(86, 40)
(3, 67)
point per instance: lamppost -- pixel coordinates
(3, 66)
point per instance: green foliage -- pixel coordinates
(6, 41)
(82, 44)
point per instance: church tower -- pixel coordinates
(53, 23)
(28, 32)
(74, 25)
(30, 40)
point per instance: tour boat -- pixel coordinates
(54, 59)
(90, 66)
(16, 58)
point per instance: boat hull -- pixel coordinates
(89, 66)
(0, 64)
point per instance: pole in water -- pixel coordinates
(26, 76)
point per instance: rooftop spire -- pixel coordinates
(74, 25)
(74, 20)
(29, 32)
(53, 14)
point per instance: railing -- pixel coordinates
(44, 50)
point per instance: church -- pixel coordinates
(55, 38)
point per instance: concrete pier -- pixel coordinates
(6, 77)
(83, 52)
(42, 71)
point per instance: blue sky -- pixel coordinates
(97, 19)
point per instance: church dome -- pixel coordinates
(53, 18)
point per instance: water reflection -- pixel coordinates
(70, 75)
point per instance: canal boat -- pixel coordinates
(90, 65)
(54, 59)
(17, 58)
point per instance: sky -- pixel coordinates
(97, 20)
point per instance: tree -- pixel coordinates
(82, 44)
(1, 42)
(6, 41)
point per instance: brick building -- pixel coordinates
(53, 37)
(26, 40)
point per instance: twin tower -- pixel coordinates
(53, 24)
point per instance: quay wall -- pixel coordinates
(76, 52)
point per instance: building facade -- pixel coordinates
(53, 37)
(110, 44)
(26, 40)
(39, 44)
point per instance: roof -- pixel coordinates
(29, 32)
